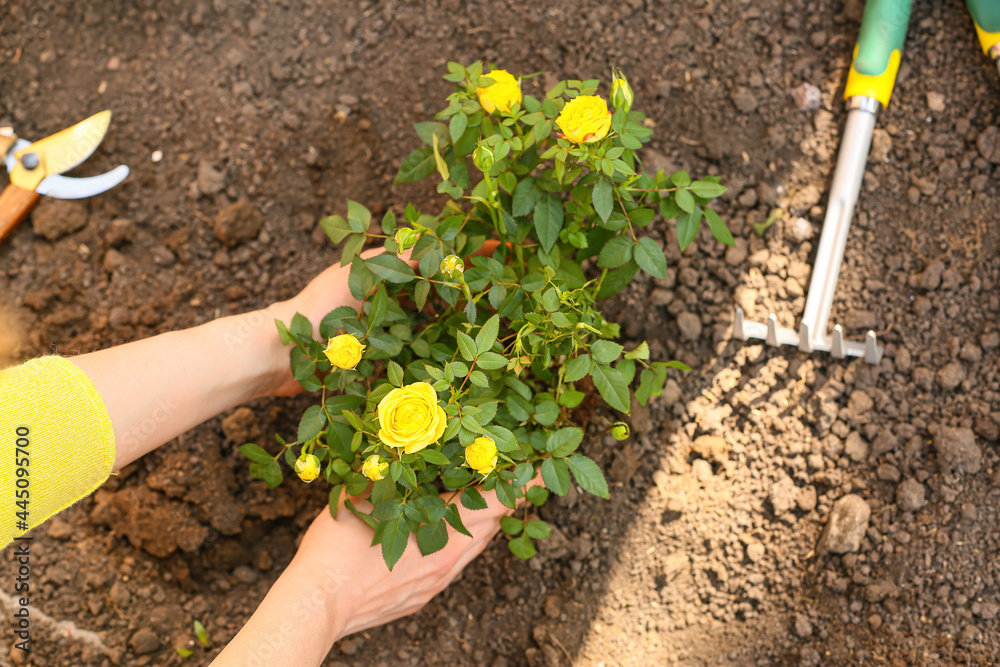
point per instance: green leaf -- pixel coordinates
(379, 304)
(432, 537)
(506, 494)
(687, 228)
(578, 368)
(395, 536)
(537, 495)
(617, 280)
(548, 220)
(352, 248)
(488, 334)
(473, 500)
(526, 195)
(650, 258)
(335, 227)
(456, 128)
(718, 227)
(616, 252)
(684, 200)
(312, 422)
(603, 198)
(511, 525)
(605, 351)
(588, 475)
(201, 634)
(611, 385)
(418, 165)
(466, 345)
(546, 413)
(491, 361)
(255, 453)
(708, 189)
(426, 131)
(184, 652)
(679, 365)
(539, 530)
(359, 218)
(454, 518)
(570, 399)
(389, 223)
(270, 472)
(681, 179)
(640, 352)
(395, 373)
(555, 474)
(434, 457)
(522, 547)
(391, 268)
(564, 442)
(442, 166)
(420, 293)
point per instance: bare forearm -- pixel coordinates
(289, 628)
(157, 388)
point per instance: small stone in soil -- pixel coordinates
(846, 526)
(238, 222)
(55, 218)
(957, 450)
(910, 495)
(690, 325)
(144, 641)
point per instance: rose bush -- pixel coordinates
(464, 368)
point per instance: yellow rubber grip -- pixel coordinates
(880, 86)
(987, 39)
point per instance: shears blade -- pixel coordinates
(57, 153)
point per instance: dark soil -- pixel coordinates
(708, 551)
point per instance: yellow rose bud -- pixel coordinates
(621, 92)
(452, 266)
(410, 418)
(585, 119)
(481, 455)
(307, 467)
(344, 351)
(406, 238)
(374, 467)
(620, 431)
(504, 93)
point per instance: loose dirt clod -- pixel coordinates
(846, 525)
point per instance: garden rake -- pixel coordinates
(869, 87)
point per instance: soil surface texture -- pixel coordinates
(771, 508)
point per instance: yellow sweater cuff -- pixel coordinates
(57, 444)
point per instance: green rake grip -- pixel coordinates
(986, 14)
(879, 49)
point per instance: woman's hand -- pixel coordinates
(325, 292)
(337, 584)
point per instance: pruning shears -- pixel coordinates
(869, 87)
(36, 169)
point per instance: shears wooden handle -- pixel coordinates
(15, 205)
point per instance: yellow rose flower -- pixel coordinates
(344, 351)
(410, 417)
(374, 467)
(481, 455)
(307, 467)
(503, 94)
(585, 119)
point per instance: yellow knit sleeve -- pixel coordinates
(56, 442)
